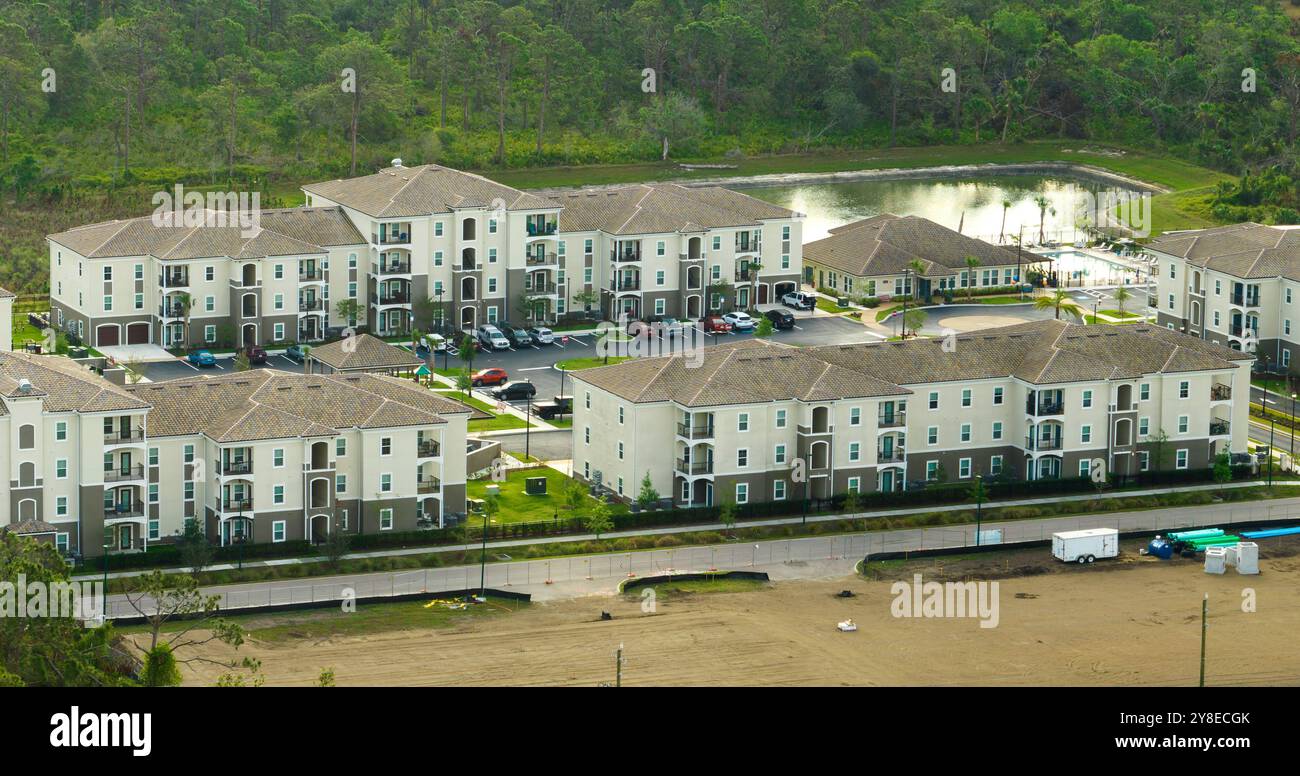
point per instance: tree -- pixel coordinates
(852, 501)
(648, 495)
(464, 381)
(1059, 300)
(336, 545)
(913, 319)
(1121, 295)
(468, 350)
(349, 310)
(727, 515)
(1006, 205)
(672, 119)
(20, 95)
(1222, 470)
(1160, 449)
(241, 362)
(358, 83)
(972, 263)
(161, 599)
(195, 549)
(764, 327)
(1043, 204)
(598, 519)
(575, 495)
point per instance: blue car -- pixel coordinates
(202, 358)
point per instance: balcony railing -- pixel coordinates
(1220, 427)
(173, 281)
(694, 467)
(542, 230)
(747, 246)
(428, 486)
(235, 505)
(124, 436)
(118, 509)
(1044, 408)
(695, 432)
(542, 288)
(237, 467)
(466, 265)
(822, 429)
(891, 421)
(1220, 392)
(310, 275)
(893, 455)
(746, 275)
(1038, 443)
(171, 311)
(392, 237)
(1246, 300)
(428, 449)
(626, 285)
(310, 306)
(398, 298)
(391, 268)
(625, 255)
(534, 260)
(119, 474)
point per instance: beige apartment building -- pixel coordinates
(1233, 285)
(266, 455)
(759, 421)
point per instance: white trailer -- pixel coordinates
(1085, 546)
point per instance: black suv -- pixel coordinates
(780, 318)
(515, 390)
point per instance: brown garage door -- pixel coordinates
(106, 335)
(137, 334)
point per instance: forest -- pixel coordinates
(96, 95)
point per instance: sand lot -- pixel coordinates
(1132, 621)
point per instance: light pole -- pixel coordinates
(482, 558)
(979, 504)
(1270, 451)
(1292, 425)
(108, 545)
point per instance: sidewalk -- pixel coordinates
(666, 530)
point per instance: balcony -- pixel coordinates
(311, 306)
(891, 421)
(893, 455)
(235, 505)
(542, 229)
(815, 430)
(1038, 444)
(1220, 428)
(746, 275)
(695, 432)
(312, 275)
(390, 298)
(1245, 300)
(625, 255)
(392, 234)
(691, 468)
(545, 259)
(626, 285)
(428, 486)
(171, 311)
(428, 449)
(118, 509)
(237, 468)
(1152, 302)
(125, 437)
(120, 474)
(546, 289)
(174, 280)
(747, 246)
(1220, 392)
(1044, 408)
(391, 268)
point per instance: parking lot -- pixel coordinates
(158, 371)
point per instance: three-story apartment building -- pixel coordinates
(1234, 285)
(758, 421)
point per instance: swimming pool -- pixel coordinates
(1077, 268)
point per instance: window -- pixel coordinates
(386, 519)
(586, 434)
(997, 429)
(778, 490)
(437, 258)
(995, 465)
(1144, 392)
(61, 507)
(340, 447)
(386, 483)
(742, 458)
(1085, 467)
(492, 255)
(588, 399)
(108, 273)
(742, 422)
(187, 453)
(1087, 400)
(209, 304)
(153, 493)
(1286, 357)
(1144, 426)
(620, 451)
(997, 396)
(742, 493)
(61, 469)
(931, 471)
(778, 454)
(661, 306)
(934, 400)
(855, 416)
(108, 303)
(932, 435)
(139, 301)
(1180, 460)
(386, 446)
(277, 494)
(659, 278)
(1184, 389)
(855, 485)
(855, 451)
(963, 468)
(278, 304)
(437, 229)
(189, 491)
(153, 530)
(1144, 460)
(620, 416)
(1085, 433)
(780, 418)
(279, 331)
(717, 243)
(277, 457)
(1288, 293)
(1182, 424)
(965, 397)
(1173, 271)
(60, 431)
(965, 432)
(153, 456)
(492, 226)
(492, 285)
(277, 531)
(1171, 306)
(340, 483)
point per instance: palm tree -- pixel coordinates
(1122, 295)
(1059, 300)
(916, 267)
(184, 301)
(1006, 205)
(1043, 204)
(971, 263)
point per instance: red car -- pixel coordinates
(715, 325)
(493, 376)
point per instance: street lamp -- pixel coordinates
(1292, 425)
(108, 545)
(979, 504)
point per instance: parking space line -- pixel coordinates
(187, 363)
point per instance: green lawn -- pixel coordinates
(828, 305)
(720, 583)
(574, 364)
(1119, 314)
(24, 331)
(519, 507)
(502, 422)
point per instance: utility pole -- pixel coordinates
(1205, 604)
(1270, 451)
(618, 666)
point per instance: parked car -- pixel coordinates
(557, 406)
(666, 325)
(540, 335)
(202, 358)
(255, 354)
(512, 391)
(780, 318)
(492, 338)
(739, 321)
(493, 376)
(799, 300)
(517, 335)
(295, 352)
(715, 325)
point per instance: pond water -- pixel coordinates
(972, 203)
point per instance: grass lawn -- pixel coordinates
(1119, 314)
(574, 364)
(720, 583)
(502, 422)
(24, 331)
(565, 422)
(994, 300)
(519, 507)
(828, 305)
(1270, 384)
(1091, 319)
(885, 312)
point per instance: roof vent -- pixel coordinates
(397, 162)
(24, 385)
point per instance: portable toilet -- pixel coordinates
(1247, 558)
(1215, 560)
(1230, 555)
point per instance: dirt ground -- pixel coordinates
(1129, 621)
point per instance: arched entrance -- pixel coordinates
(249, 334)
(468, 318)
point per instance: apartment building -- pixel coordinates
(874, 257)
(664, 249)
(758, 421)
(1233, 285)
(135, 281)
(272, 456)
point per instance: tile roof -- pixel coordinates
(281, 232)
(63, 385)
(662, 207)
(30, 526)
(398, 192)
(7, 294)
(1243, 250)
(263, 404)
(1038, 352)
(363, 352)
(886, 244)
